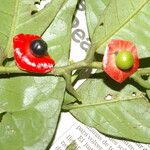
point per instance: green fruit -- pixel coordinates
(124, 60)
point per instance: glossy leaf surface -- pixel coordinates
(129, 20)
(116, 110)
(94, 10)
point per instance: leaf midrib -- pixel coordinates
(106, 38)
(13, 25)
(104, 103)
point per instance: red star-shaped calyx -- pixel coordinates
(109, 60)
(24, 54)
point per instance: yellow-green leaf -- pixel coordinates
(127, 20)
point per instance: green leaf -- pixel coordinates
(58, 35)
(94, 10)
(116, 110)
(34, 106)
(128, 20)
(30, 106)
(21, 124)
(28, 91)
(16, 18)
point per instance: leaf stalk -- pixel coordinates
(137, 78)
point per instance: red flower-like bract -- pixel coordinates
(24, 58)
(109, 60)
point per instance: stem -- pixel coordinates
(70, 88)
(137, 78)
(145, 71)
(8, 70)
(57, 70)
(61, 71)
(81, 65)
(90, 54)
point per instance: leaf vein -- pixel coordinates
(103, 103)
(3, 12)
(13, 26)
(106, 38)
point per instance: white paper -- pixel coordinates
(87, 138)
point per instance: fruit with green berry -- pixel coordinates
(124, 60)
(120, 60)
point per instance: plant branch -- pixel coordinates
(61, 71)
(57, 71)
(137, 78)
(10, 70)
(90, 54)
(69, 87)
(145, 71)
